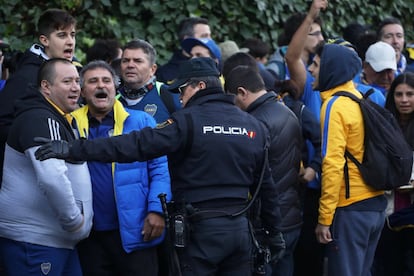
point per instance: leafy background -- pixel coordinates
(157, 20)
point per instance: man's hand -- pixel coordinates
(154, 225)
(307, 174)
(317, 6)
(323, 234)
(51, 149)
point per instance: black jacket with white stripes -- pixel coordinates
(43, 202)
(39, 118)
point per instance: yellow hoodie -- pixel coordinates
(342, 128)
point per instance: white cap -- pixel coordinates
(381, 56)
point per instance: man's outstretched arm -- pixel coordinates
(142, 145)
(295, 64)
(101, 149)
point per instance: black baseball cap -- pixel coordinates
(195, 67)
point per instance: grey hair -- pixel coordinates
(98, 64)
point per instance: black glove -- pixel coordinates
(51, 149)
(276, 244)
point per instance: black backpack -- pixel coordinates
(388, 158)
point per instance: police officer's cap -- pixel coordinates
(195, 67)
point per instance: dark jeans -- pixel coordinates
(285, 265)
(309, 253)
(102, 254)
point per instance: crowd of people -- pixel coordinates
(226, 160)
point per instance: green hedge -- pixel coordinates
(156, 20)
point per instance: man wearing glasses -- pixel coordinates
(217, 157)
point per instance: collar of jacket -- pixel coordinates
(81, 116)
(269, 96)
(208, 94)
(349, 86)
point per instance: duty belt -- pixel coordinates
(196, 211)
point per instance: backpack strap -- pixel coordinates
(368, 93)
(346, 173)
(166, 97)
(347, 153)
(350, 95)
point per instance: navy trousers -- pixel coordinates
(22, 258)
(217, 246)
(355, 238)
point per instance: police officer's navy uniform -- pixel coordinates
(216, 153)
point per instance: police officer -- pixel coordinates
(216, 156)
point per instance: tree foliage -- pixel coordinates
(157, 20)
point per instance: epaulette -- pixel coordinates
(164, 124)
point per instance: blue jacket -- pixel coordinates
(312, 100)
(310, 132)
(377, 97)
(136, 184)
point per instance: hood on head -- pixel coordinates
(339, 64)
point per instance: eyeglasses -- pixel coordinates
(316, 33)
(181, 88)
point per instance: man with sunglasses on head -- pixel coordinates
(217, 158)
